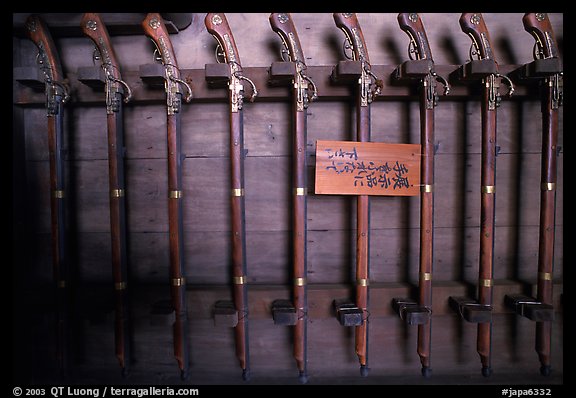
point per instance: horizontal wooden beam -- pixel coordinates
(393, 89)
(153, 301)
(123, 23)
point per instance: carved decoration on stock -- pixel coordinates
(293, 71)
(485, 70)
(56, 92)
(155, 29)
(117, 92)
(420, 68)
(231, 73)
(547, 70)
(358, 71)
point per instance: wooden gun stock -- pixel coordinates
(348, 23)
(474, 26)
(411, 23)
(539, 26)
(283, 25)
(56, 95)
(94, 28)
(39, 33)
(217, 26)
(155, 29)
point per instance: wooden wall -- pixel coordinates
(394, 220)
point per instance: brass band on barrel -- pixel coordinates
(299, 281)
(426, 276)
(178, 281)
(58, 193)
(239, 280)
(175, 194)
(117, 193)
(362, 282)
(427, 188)
(120, 286)
(545, 276)
(549, 186)
(238, 192)
(300, 191)
(486, 283)
(489, 189)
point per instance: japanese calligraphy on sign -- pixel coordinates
(367, 168)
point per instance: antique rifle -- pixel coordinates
(155, 29)
(474, 26)
(56, 95)
(539, 26)
(217, 25)
(422, 69)
(368, 87)
(283, 25)
(117, 92)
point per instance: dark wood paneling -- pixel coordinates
(331, 248)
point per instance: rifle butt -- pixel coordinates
(424, 332)
(241, 328)
(483, 346)
(62, 333)
(121, 331)
(543, 345)
(181, 350)
(547, 225)
(299, 350)
(361, 343)
(240, 339)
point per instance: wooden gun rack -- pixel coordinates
(144, 80)
(147, 87)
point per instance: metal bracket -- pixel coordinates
(411, 312)
(92, 76)
(281, 72)
(540, 68)
(476, 70)
(470, 310)
(154, 74)
(423, 71)
(348, 313)
(284, 313)
(529, 307)
(556, 82)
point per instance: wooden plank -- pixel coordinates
(330, 256)
(144, 93)
(331, 238)
(68, 24)
(322, 46)
(392, 342)
(368, 168)
(266, 131)
(151, 301)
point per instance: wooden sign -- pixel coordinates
(367, 168)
